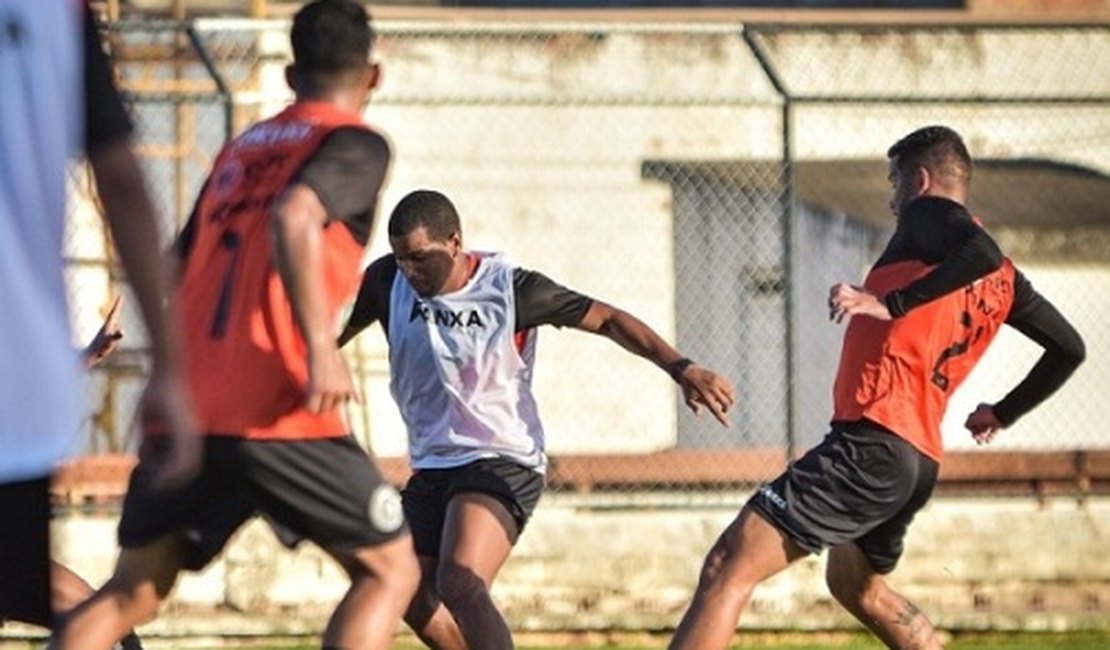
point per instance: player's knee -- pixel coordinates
(407, 574)
(459, 587)
(140, 600)
(392, 566)
(722, 570)
(855, 592)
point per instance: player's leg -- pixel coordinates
(328, 491)
(383, 580)
(478, 535)
(25, 551)
(68, 590)
(143, 578)
(154, 545)
(425, 503)
(855, 569)
(426, 614)
(489, 502)
(866, 594)
(748, 552)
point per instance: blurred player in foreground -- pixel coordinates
(461, 328)
(269, 256)
(925, 315)
(57, 99)
(67, 589)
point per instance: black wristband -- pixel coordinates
(676, 368)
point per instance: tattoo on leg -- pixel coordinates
(918, 629)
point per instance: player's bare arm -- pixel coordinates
(130, 216)
(701, 387)
(296, 225)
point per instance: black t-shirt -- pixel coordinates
(105, 117)
(345, 172)
(539, 300)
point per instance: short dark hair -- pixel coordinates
(330, 38)
(426, 208)
(937, 148)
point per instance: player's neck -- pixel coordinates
(343, 100)
(465, 266)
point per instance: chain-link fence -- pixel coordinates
(714, 180)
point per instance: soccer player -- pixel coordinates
(57, 99)
(924, 316)
(461, 328)
(269, 256)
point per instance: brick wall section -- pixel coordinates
(1093, 7)
(95, 480)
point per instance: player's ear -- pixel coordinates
(291, 77)
(922, 180)
(373, 76)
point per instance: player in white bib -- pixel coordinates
(461, 328)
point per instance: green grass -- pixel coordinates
(765, 641)
(631, 641)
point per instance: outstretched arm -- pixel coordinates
(1064, 351)
(701, 387)
(130, 215)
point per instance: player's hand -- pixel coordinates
(983, 424)
(702, 387)
(329, 381)
(165, 407)
(849, 300)
(106, 338)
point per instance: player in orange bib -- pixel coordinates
(268, 259)
(923, 318)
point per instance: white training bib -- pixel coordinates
(463, 388)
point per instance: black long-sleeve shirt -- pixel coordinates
(940, 231)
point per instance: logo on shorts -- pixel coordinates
(385, 509)
(773, 497)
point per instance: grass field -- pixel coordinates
(590, 641)
(792, 641)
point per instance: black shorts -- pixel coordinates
(428, 492)
(862, 484)
(327, 491)
(25, 551)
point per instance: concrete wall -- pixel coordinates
(969, 563)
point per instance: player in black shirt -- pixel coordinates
(923, 318)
